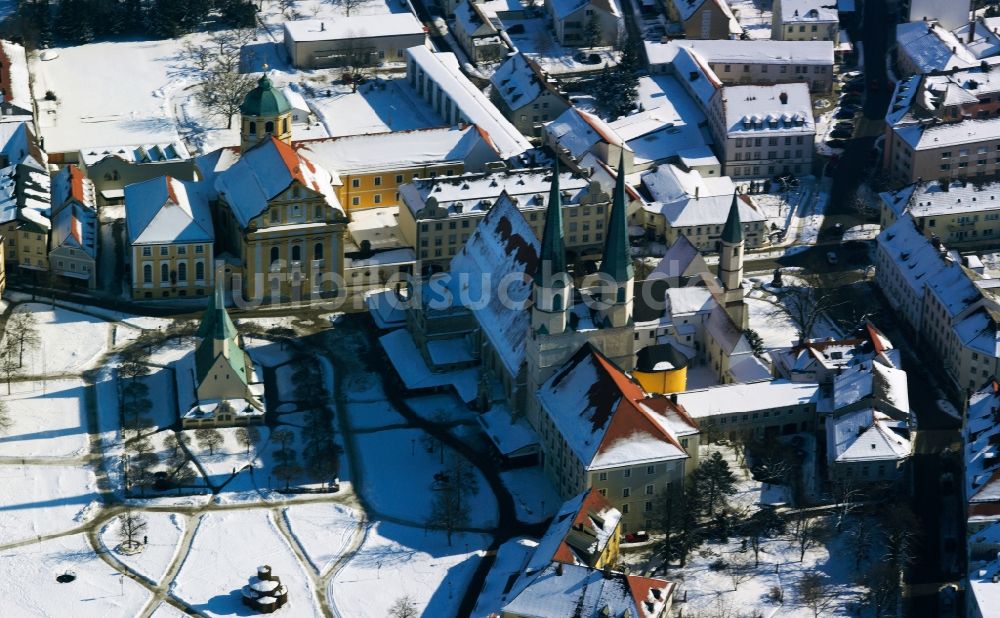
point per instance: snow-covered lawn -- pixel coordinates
(227, 548)
(397, 561)
(772, 322)
(231, 456)
(376, 107)
(40, 500)
(268, 352)
(754, 16)
(322, 530)
(29, 588)
(70, 341)
(534, 496)
(398, 473)
(373, 415)
(164, 531)
(49, 420)
(363, 386)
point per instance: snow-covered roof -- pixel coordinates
(582, 592)
(579, 532)
(682, 259)
(985, 41)
(697, 156)
(294, 97)
(265, 171)
(669, 183)
(982, 446)
(706, 210)
(779, 108)
(653, 136)
(20, 92)
(871, 381)
(25, 194)
(508, 434)
(930, 47)
(924, 137)
(565, 8)
(75, 226)
(979, 331)
(935, 199)
(689, 299)
(519, 81)
(748, 397)
(902, 98)
(477, 192)
(444, 70)
(137, 153)
(354, 27)
(917, 260)
(601, 414)
(405, 357)
(759, 51)
(70, 184)
(18, 145)
(866, 435)
(166, 210)
(389, 151)
(807, 11)
(577, 131)
(686, 8)
(502, 249)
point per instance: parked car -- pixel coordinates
(841, 134)
(844, 124)
(831, 258)
(637, 537)
(836, 143)
(852, 75)
(585, 58)
(844, 114)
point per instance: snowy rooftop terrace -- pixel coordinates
(781, 108)
(353, 27)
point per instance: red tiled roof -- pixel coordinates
(295, 163)
(640, 587)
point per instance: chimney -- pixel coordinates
(972, 29)
(673, 398)
(697, 190)
(559, 568)
(783, 97)
(693, 75)
(322, 26)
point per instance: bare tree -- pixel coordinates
(22, 329)
(861, 540)
(808, 532)
(807, 305)
(403, 607)
(847, 498)
(130, 526)
(288, 469)
(758, 527)
(349, 5)
(739, 571)
(208, 438)
(450, 508)
(881, 585)
(216, 63)
(902, 530)
(815, 592)
(248, 436)
(9, 366)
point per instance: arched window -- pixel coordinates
(182, 271)
(557, 302)
(296, 253)
(274, 255)
(621, 294)
(318, 251)
(164, 272)
(199, 271)
(284, 125)
(268, 127)
(147, 273)
(253, 128)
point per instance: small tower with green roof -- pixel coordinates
(264, 113)
(552, 293)
(617, 275)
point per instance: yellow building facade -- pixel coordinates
(376, 189)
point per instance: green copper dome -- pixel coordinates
(264, 100)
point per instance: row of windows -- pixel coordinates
(771, 154)
(165, 250)
(750, 142)
(399, 178)
(296, 252)
(179, 276)
(727, 68)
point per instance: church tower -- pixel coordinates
(731, 246)
(264, 113)
(552, 292)
(617, 274)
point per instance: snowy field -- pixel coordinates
(754, 16)
(772, 322)
(40, 500)
(164, 531)
(323, 531)
(398, 473)
(373, 415)
(49, 420)
(227, 548)
(71, 341)
(398, 561)
(534, 496)
(97, 592)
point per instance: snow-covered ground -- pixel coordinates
(398, 474)
(30, 590)
(377, 107)
(70, 341)
(322, 530)
(40, 500)
(537, 42)
(771, 321)
(373, 415)
(49, 420)
(227, 548)
(534, 496)
(397, 561)
(163, 532)
(754, 16)
(441, 408)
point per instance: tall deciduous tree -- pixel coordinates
(131, 525)
(208, 438)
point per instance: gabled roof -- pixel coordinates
(589, 519)
(982, 446)
(883, 385)
(866, 435)
(75, 226)
(682, 259)
(502, 249)
(601, 413)
(264, 172)
(518, 81)
(70, 184)
(166, 210)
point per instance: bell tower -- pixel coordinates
(617, 275)
(264, 113)
(552, 291)
(731, 247)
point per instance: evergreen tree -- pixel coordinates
(592, 32)
(676, 519)
(133, 16)
(73, 22)
(714, 482)
(168, 18)
(239, 14)
(755, 340)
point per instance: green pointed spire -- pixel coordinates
(216, 323)
(553, 255)
(732, 233)
(617, 262)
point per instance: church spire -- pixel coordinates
(732, 233)
(617, 260)
(553, 254)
